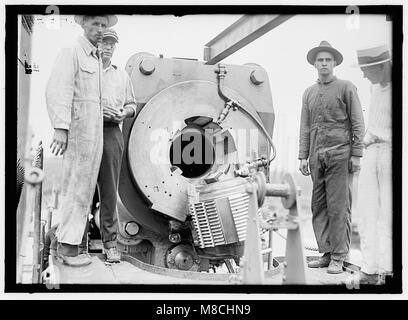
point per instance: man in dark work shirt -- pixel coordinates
(330, 148)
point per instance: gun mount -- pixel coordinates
(199, 133)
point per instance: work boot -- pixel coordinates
(322, 262)
(335, 266)
(76, 261)
(366, 278)
(112, 255)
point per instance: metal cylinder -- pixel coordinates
(277, 190)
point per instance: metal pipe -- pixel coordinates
(38, 163)
(42, 249)
(33, 176)
(270, 255)
(25, 231)
(49, 218)
(52, 207)
(221, 72)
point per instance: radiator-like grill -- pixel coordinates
(221, 217)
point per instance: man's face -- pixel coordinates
(94, 28)
(325, 63)
(108, 47)
(373, 73)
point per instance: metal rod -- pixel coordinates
(49, 218)
(42, 249)
(25, 226)
(52, 207)
(270, 256)
(37, 220)
(23, 134)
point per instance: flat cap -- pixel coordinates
(110, 33)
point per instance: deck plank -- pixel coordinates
(95, 273)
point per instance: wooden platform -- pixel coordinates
(132, 271)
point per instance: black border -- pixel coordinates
(395, 14)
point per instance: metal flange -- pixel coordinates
(260, 180)
(289, 200)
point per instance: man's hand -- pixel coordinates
(109, 113)
(123, 114)
(304, 167)
(354, 164)
(59, 142)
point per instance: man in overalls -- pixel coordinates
(73, 97)
(331, 145)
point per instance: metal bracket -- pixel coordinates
(242, 32)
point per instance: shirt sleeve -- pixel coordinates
(356, 120)
(60, 89)
(130, 100)
(304, 134)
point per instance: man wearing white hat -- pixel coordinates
(117, 98)
(375, 184)
(73, 97)
(331, 145)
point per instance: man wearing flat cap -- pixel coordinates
(330, 148)
(73, 97)
(375, 183)
(118, 102)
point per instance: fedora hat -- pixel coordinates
(324, 46)
(110, 33)
(372, 56)
(112, 19)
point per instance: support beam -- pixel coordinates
(242, 32)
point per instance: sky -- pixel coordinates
(282, 52)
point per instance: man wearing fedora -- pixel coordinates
(73, 97)
(330, 148)
(117, 97)
(375, 183)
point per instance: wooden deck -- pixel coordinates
(138, 273)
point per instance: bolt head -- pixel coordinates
(147, 66)
(257, 77)
(132, 228)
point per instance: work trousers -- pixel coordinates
(375, 209)
(108, 179)
(66, 248)
(331, 201)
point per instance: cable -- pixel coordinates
(230, 103)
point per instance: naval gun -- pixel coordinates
(200, 132)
